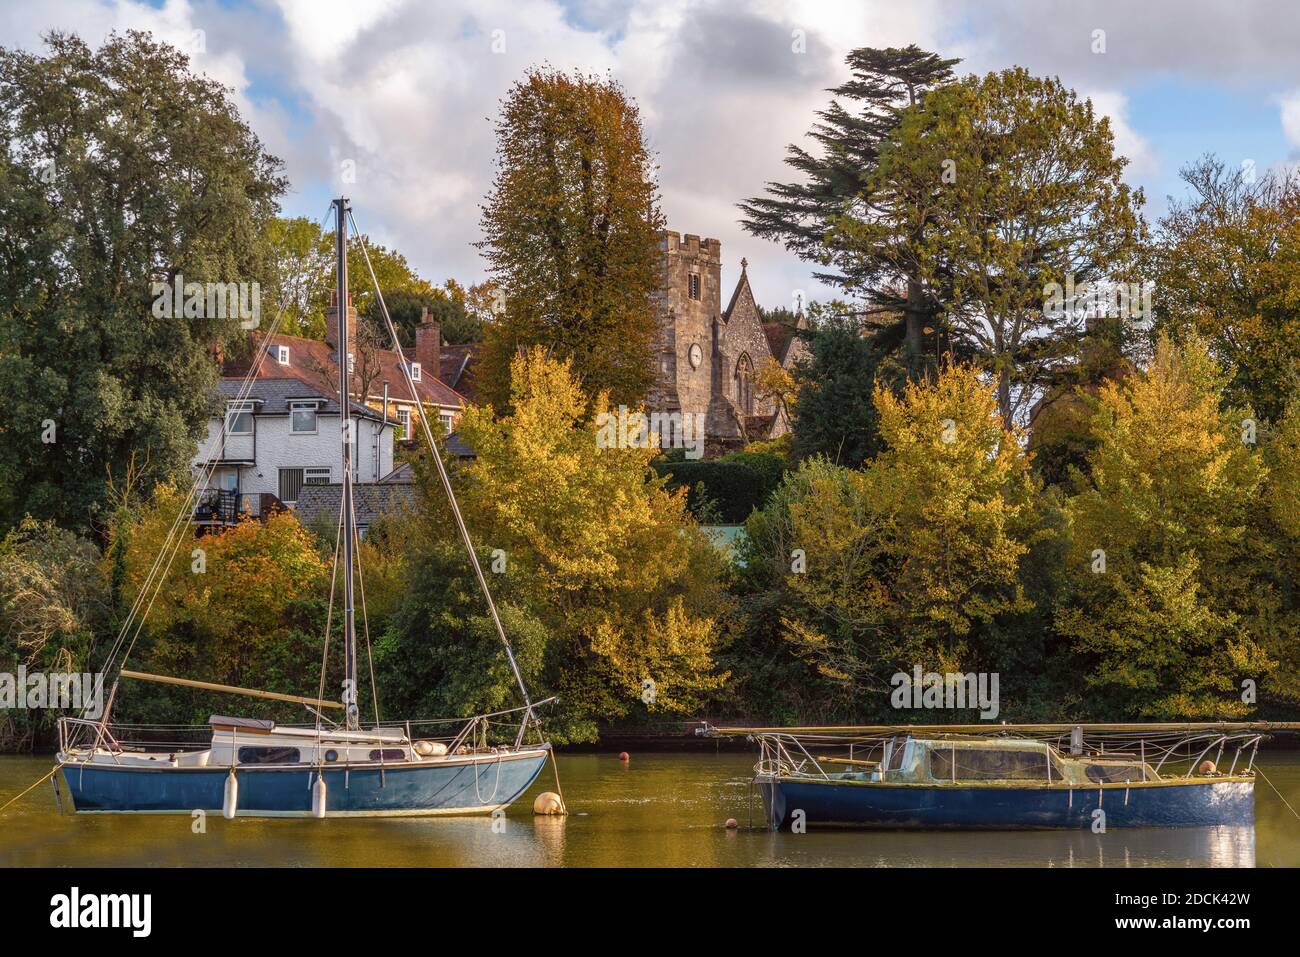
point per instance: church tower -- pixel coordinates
(690, 305)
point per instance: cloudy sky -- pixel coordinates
(405, 90)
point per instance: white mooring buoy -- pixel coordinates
(548, 802)
(318, 797)
(231, 797)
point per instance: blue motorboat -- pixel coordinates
(254, 767)
(1007, 777)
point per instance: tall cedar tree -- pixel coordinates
(572, 228)
(118, 168)
(994, 188)
(884, 82)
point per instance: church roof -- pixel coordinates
(741, 286)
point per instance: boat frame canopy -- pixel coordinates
(932, 759)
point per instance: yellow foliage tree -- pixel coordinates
(613, 564)
(1158, 580)
(910, 560)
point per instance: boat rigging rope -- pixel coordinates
(436, 455)
(365, 618)
(325, 649)
(158, 571)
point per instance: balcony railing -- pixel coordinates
(219, 506)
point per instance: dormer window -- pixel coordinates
(415, 372)
(282, 355)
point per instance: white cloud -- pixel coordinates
(1290, 105)
(1128, 142)
(407, 89)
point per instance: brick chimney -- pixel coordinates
(428, 345)
(332, 323)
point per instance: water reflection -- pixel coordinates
(658, 810)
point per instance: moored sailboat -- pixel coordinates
(324, 768)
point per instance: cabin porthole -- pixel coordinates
(331, 755)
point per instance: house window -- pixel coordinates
(404, 420)
(316, 476)
(282, 355)
(415, 372)
(352, 364)
(290, 485)
(693, 285)
(239, 421)
(446, 419)
(303, 418)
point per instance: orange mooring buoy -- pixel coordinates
(731, 824)
(624, 756)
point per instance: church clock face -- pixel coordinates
(696, 355)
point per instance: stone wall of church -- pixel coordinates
(744, 336)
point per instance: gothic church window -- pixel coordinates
(745, 384)
(693, 285)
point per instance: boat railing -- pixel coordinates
(781, 754)
(115, 738)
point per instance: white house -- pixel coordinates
(284, 434)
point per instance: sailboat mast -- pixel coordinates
(345, 414)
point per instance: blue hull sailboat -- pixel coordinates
(1008, 777)
(257, 768)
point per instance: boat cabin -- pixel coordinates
(930, 761)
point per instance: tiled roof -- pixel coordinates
(274, 395)
(314, 362)
(320, 503)
(458, 368)
(778, 338)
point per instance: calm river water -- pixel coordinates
(659, 810)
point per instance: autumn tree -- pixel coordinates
(228, 608)
(1158, 590)
(1227, 267)
(119, 169)
(623, 579)
(571, 232)
(915, 559)
(992, 189)
(840, 178)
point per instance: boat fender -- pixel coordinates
(427, 749)
(318, 797)
(231, 799)
(548, 802)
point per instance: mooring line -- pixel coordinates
(1277, 792)
(39, 781)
